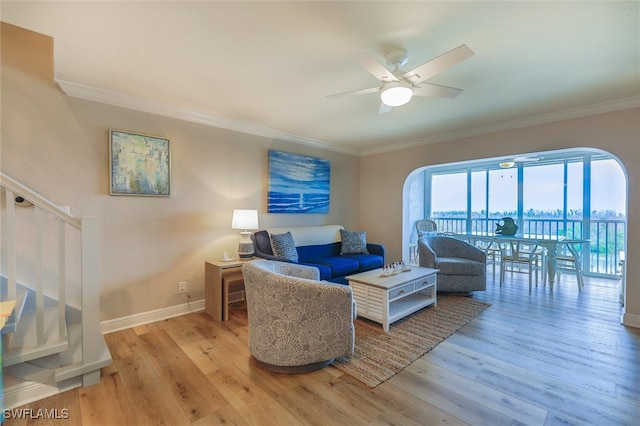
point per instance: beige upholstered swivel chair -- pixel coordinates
(297, 324)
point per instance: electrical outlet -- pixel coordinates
(182, 287)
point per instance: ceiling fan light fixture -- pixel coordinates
(396, 95)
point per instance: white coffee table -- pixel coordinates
(388, 299)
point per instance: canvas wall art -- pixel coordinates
(139, 164)
(298, 184)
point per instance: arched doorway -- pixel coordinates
(575, 192)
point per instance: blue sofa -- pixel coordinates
(320, 246)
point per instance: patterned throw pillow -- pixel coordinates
(284, 247)
(353, 242)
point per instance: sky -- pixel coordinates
(543, 189)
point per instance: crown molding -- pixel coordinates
(136, 103)
(154, 107)
(601, 108)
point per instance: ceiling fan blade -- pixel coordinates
(438, 64)
(526, 159)
(434, 90)
(355, 92)
(384, 108)
(376, 68)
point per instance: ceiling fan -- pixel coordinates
(507, 164)
(398, 87)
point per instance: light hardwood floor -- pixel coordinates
(543, 358)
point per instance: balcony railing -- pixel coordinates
(606, 236)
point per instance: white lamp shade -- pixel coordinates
(244, 219)
(396, 95)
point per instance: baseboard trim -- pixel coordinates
(630, 320)
(28, 392)
(130, 321)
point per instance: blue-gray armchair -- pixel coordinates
(463, 267)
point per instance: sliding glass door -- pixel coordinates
(576, 195)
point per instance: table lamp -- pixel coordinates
(245, 220)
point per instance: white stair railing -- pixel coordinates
(89, 280)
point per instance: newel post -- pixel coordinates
(90, 297)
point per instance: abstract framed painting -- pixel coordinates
(139, 164)
(298, 184)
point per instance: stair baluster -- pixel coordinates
(40, 354)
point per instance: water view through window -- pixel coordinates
(581, 196)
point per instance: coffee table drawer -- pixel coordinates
(425, 282)
(401, 291)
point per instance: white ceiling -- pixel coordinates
(267, 67)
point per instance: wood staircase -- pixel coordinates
(51, 342)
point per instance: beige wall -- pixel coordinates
(382, 176)
(58, 146)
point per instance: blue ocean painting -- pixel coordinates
(298, 184)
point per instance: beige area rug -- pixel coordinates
(379, 356)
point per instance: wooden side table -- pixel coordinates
(213, 292)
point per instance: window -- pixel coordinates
(543, 199)
(570, 194)
(479, 200)
(449, 200)
(503, 193)
(607, 214)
